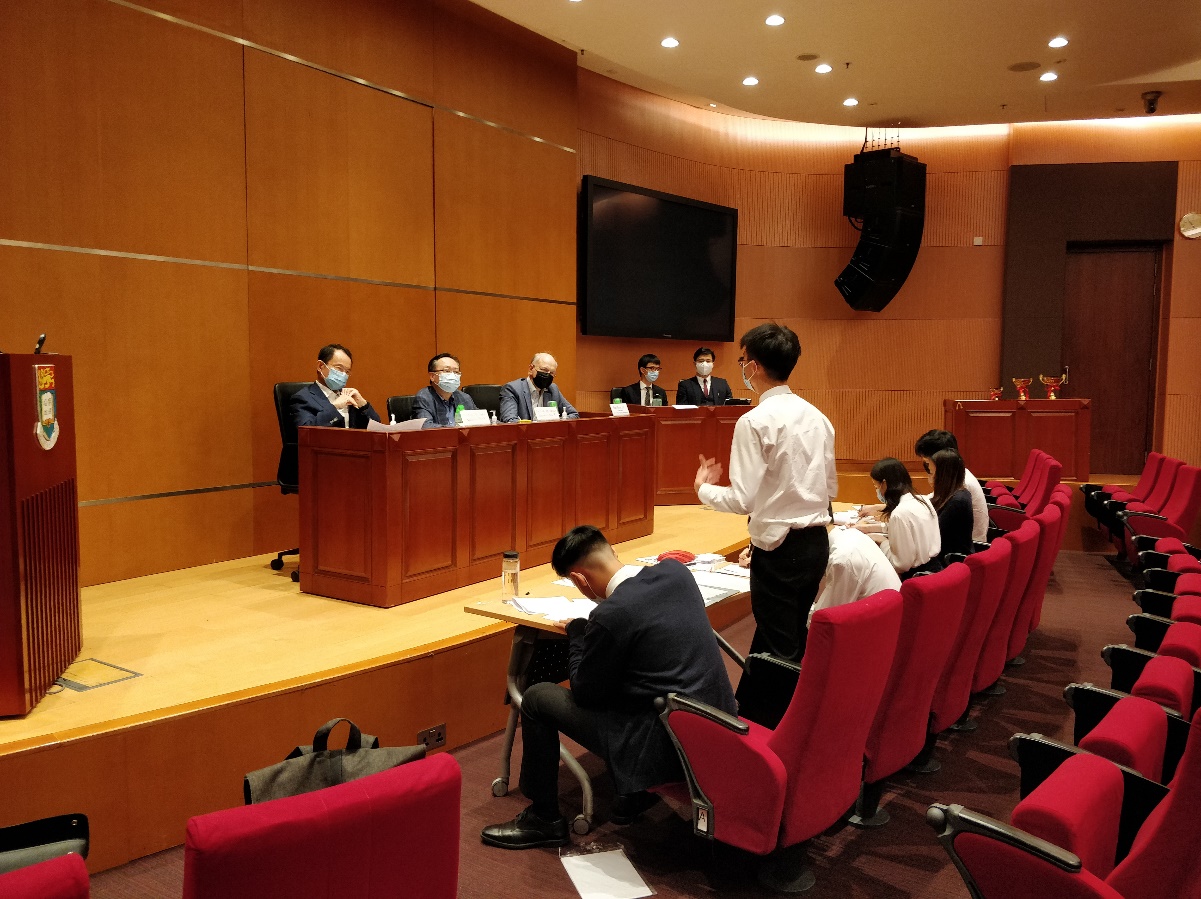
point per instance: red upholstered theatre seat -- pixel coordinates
(65, 877)
(1187, 608)
(1183, 640)
(1167, 681)
(1170, 545)
(1189, 582)
(1134, 733)
(390, 834)
(1048, 521)
(1024, 542)
(1031, 459)
(1184, 563)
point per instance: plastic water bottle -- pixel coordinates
(510, 575)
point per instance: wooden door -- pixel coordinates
(1110, 315)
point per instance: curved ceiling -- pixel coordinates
(916, 63)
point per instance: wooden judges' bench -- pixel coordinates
(389, 518)
(683, 435)
(996, 436)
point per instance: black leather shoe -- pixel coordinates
(628, 806)
(527, 831)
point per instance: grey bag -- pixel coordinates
(27, 844)
(309, 768)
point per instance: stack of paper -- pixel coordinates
(554, 608)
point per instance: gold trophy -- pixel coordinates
(994, 393)
(1023, 386)
(1053, 385)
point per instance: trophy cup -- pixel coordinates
(1053, 385)
(1023, 386)
(994, 393)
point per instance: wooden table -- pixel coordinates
(683, 435)
(996, 436)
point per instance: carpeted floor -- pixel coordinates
(1086, 607)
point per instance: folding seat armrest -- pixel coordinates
(1155, 602)
(1005, 518)
(979, 546)
(1144, 543)
(1090, 704)
(1148, 630)
(1114, 506)
(674, 702)
(1086, 489)
(950, 820)
(1161, 579)
(1149, 558)
(954, 557)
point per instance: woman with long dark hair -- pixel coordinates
(907, 528)
(951, 501)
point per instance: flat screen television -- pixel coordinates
(655, 265)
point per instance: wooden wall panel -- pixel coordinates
(148, 392)
(505, 211)
(276, 521)
(124, 540)
(1184, 372)
(1182, 427)
(390, 331)
(122, 131)
(1107, 140)
(489, 67)
(961, 206)
(340, 176)
(497, 337)
(606, 362)
(386, 43)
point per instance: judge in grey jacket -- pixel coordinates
(438, 401)
(518, 398)
(648, 636)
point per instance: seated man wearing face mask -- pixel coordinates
(437, 401)
(704, 389)
(643, 392)
(328, 402)
(518, 398)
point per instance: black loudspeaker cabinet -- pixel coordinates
(887, 190)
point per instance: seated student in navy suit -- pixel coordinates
(437, 401)
(518, 398)
(643, 392)
(648, 636)
(328, 402)
(704, 389)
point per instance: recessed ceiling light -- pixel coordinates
(1057, 42)
(750, 80)
(850, 101)
(669, 42)
(714, 105)
(823, 69)
(1047, 76)
(774, 20)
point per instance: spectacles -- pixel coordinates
(447, 371)
(652, 368)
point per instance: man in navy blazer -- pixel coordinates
(704, 389)
(438, 401)
(328, 402)
(648, 636)
(648, 372)
(518, 398)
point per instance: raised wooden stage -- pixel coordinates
(237, 667)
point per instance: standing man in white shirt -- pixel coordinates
(782, 475)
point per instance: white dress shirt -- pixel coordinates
(857, 569)
(911, 535)
(781, 468)
(329, 395)
(979, 507)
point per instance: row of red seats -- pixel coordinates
(881, 679)
(390, 834)
(1110, 817)
(1031, 493)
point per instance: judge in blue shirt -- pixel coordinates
(437, 402)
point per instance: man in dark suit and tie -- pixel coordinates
(647, 637)
(643, 392)
(438, 402)
(704, 389)
(328, 402)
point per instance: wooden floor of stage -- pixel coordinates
(220, 633)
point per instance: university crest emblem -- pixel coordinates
(46, 428)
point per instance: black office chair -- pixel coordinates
(485, 396)
(614, 394)
(287, 475)
(737, 401)
(401, 407)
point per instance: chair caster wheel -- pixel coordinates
(296, 577)
(500, 786)
(277, 564)
(580, 825)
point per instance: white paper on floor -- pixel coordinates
(605, 875)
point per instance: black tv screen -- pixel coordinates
(655, 265)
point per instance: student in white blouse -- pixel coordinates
(907, 530)
(857, 569)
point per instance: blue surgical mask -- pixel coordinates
(880, 496)
(336, 379)
(448, 381)
(652, 376)
(747, 381)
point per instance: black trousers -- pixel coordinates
(548, 710)
(784, 583)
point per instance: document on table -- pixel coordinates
(605, 875)
(554, 608)
(850, 516)
(413, 424)
(716, 586)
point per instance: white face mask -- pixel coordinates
(747, 381)
(880, 496)
(449, 381)
(704, 369)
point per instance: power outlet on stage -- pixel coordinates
(433, 737)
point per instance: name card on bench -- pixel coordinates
(473, 418)
(619, 408)
(546, 413)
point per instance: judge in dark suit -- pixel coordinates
(518, 398)
(647, 637)
(643, 391)
(328, 402)
(704, 389)
(438, 401)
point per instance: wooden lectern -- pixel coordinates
(39, 528)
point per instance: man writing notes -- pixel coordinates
(328, 402)
(518, 398)
(781, 475)
(704, 389)
(647, 637)
(643, 392)
(438, 400)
